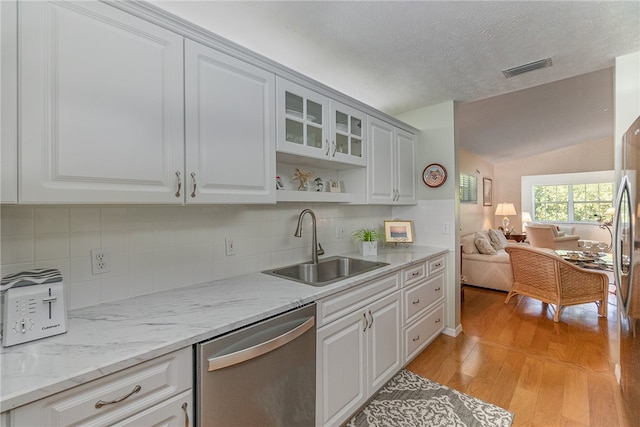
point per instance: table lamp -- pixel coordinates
(505, 209)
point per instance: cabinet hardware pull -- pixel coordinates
(366, 322)
(416, 301)
(179, 184)
(437, 289)
(186, 414)
(101, 403)
(437, 321)
(328, 148)
(416, 338)
(335, 148)
(417, 273)
(370, 315)
(193, 177)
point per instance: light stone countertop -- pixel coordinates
(107, 338)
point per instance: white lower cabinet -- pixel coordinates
(360, 351)
(423, 299)
(156, 392)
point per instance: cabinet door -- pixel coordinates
(348, 134)
(341, 375)
(385, 348)
(302, 121)
(381, 170)
(9, 102)
(405, 167)
(230, 129)
(101, 96)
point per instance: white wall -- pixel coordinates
(156, 248)
(437, 144)
(627, 82)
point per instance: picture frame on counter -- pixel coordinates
(398, 231)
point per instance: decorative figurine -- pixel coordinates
(303, 178)
(319, 184)
(279, 183)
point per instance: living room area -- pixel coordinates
(513, 353)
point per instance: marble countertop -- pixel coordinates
(107, 338)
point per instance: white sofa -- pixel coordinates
(492, 271)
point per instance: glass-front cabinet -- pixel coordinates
(311, 125)
(347, 134)
(302, 121)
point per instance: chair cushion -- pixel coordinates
(483, 244)
(498, 240)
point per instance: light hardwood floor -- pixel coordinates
(514, 356)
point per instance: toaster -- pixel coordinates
(33, 306)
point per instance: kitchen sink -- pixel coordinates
(326, 271)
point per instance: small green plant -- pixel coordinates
(366, 235)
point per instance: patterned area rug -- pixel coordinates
(410, 400)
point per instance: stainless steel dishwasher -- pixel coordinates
(261, 375)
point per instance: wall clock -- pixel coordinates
(434, 175)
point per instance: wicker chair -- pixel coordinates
(543, 275)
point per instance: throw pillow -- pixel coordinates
(483, 244)
(468, 246)
(498, 241)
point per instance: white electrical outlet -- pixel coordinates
(445, 228)
(339, 232)
(100, 261)
(229, 246)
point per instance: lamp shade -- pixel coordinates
(526, 217)
(505, 209)
(610, 212)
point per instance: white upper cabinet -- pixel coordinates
(314, 126)
(230, 129)
(9, 103)
(101, 106)
(348, 134)
(391, 171)
(303, 125)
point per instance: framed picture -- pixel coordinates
(486, 191)
(398, 231)
(334, 186)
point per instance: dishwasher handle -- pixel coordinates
(243, 355)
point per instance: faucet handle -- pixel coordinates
(320, 251)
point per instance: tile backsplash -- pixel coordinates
(156, 248)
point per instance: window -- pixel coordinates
(468, 188)
(571, 202)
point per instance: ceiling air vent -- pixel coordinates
(543, 63)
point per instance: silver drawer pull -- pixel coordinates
(417, 273)
(416, 338)
(371, 316)
(186, 414)
(179, 183)
(437, 321)
(366, 322)
(193, 178)
(101, 403)
(437, 289)
(416, 301)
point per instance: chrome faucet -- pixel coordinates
(317, 248)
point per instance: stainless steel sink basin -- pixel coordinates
(326, 271)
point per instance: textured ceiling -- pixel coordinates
(400, 55)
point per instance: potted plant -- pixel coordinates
(367, 239)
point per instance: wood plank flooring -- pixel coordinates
(514, 356)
